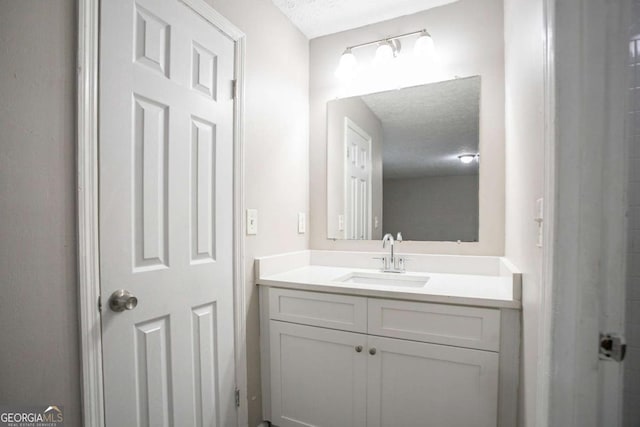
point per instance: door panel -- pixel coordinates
(203, 161)
(319, 379)
(406, 380)
(153, 372)
(150, 175)
(165, 170)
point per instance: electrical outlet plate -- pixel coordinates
(302, 222)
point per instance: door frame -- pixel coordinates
(545, 327)
(87, 199)
(583, 254)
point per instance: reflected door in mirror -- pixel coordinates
(357, 181)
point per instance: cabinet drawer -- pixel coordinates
(344, 312)
(435, 323)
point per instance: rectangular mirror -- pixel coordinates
(407, 161)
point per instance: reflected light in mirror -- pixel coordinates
(467, 158)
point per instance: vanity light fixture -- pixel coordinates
(468, 158)
(347, 64)
(388, 48)
(424, 47)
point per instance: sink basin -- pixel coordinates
(385, 279)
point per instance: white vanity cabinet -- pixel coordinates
(319, 379)
(341, 360)
(418, 384)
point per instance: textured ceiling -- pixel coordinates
(317, 18)
(427, 127)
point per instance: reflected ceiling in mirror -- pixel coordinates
(405, 161)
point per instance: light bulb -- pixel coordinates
(467, 158)
(424, 47)
(347, 65)
(384, 53)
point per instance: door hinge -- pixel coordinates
(100, 304)
(234, 89)
(237, 395)
(612, 347)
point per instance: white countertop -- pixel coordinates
(463, 289)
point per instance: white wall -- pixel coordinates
(276, 148)
(356, 110)
(438, 208)
(469, 37)
(39, 360)
(524, 58)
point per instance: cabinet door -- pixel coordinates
(318, 376)
(414, 384)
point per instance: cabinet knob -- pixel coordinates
(372, 351)
(358, 348)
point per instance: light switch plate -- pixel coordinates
(252, 221)
(302, 223)
(340, 222)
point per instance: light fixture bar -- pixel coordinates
(413, 33)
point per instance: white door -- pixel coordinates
(419, 384)
(318, 376)
(586, 248)
(166, 163)
(357, 174)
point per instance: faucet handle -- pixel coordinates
(384, 260)
(398, 263)
(399, 237)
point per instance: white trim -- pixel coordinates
(88, 243)
(88, 256)
(549, 224)
(239, 232)
(223, 24)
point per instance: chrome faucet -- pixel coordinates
(392, 263)
(388, 238)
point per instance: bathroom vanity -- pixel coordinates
(346, 345)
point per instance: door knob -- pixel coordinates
(122, 300)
